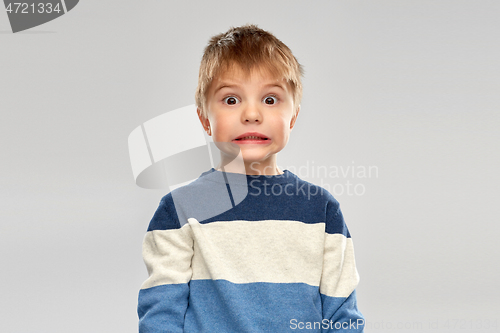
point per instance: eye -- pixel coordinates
(231, 100)
(270, 100)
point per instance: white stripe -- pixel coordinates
(147, 143)
(64, 6)
(340, 276)
(252, 251)
(258, 251)
(167, 255)
(138, 152)
(174, 132)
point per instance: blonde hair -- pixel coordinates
(249, 47)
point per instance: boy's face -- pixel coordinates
(237, 105)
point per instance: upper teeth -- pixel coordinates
(251, 137)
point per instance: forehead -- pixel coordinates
(239, 75)
(234, 70)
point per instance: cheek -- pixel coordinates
(280, 131)
(284, 125)
(221, 127)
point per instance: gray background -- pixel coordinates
(410, 87)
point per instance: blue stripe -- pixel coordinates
(165, 217)
(343, 314)
(162, 308)
(209, 201)
(225, 307)
(221, 306)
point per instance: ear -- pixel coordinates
(204, 121)
(294, 118)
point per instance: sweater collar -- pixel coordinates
(232, 178)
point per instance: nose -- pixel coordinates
(251, 114)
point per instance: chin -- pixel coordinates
(255, 159)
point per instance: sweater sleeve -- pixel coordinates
(167, 252)
(339, 277)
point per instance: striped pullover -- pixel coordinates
(235, 253)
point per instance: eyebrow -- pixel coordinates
(274, 85)
(224, 85)
(229, 85)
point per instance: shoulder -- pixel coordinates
(197, 199)
(165, 216)
(314, 192)
(335, 223)
(334, 219)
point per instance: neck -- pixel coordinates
(250, 168)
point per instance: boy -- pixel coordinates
(274, 257)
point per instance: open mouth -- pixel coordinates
(257, 138)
